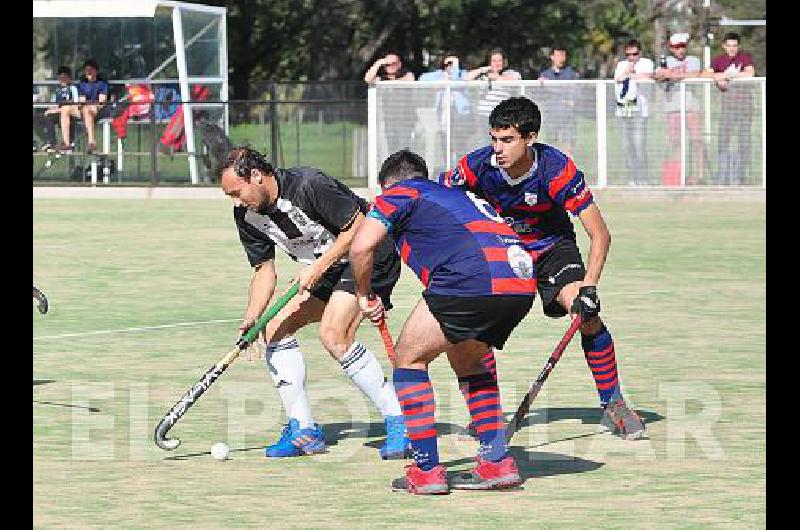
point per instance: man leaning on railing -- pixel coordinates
(632, 109)
(677, 67)
(736, 111)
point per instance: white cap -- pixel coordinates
(679, 38)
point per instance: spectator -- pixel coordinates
(93, 92)
(462, 118)
(388, 68)
(65, 99)
(736, 110)
(496, 69)
(559, 107)
(680, 66)
(449, 70)
(632, 109)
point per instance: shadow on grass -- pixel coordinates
(587, 415)
(37, 382)
(533, 464)
(90, 409)
(208, 453)
(334, 432)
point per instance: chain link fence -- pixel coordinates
(683, 134)
(143, 142)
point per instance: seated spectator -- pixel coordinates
(388, 68)
(496, 69)
(449, 71)
(65, 97)
(93, 92)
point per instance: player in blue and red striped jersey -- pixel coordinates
(534, 187)
(479, 284)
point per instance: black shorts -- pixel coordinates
(385, 273)
(489, 319)
(555, 268)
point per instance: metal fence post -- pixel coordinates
(273, 116)
(683, 134)
(372, 137)
(154, 147)
(447, 122)
(764, 133)
(602, 141)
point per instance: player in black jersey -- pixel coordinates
(312, 217)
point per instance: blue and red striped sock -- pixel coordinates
(599, 352)
(415, 393)
(490, 363)
(483, 400)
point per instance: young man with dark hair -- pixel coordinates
(561, 100)
(313, 218)
(478, 287)
(736, 110)
(534, 186)
(65, 99)
(93, 92)
(633, 109)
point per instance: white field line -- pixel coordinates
(127, 330)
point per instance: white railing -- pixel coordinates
(676, 135)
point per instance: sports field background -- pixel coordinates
(683, 293)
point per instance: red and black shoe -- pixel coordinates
(419, 482)
(489, 475)
(622, 420)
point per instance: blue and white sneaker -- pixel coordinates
(295, 441)
(396, 445)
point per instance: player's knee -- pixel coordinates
(334, 340)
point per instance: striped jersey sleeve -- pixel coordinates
(394, 206)
(567, 187)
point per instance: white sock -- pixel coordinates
(363, 369)
(287, 368)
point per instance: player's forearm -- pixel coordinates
(361, 260)
(369, 77)
(262, 286)
(598, 251)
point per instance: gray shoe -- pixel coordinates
(622, 421)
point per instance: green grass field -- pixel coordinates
(683, 292)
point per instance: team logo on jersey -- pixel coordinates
(531, 198)
(519, 226)
(521, 262)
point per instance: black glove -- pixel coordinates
(586, 304)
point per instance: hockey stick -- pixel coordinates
(198, 389)
(523, 408)
(42, 299)
(388, 343)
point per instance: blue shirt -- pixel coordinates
(566, 73)
(441, 75)
(93, 89)
(454, 242)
